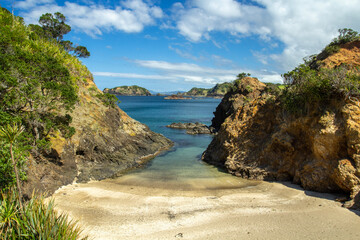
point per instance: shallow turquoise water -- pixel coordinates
(180, 167)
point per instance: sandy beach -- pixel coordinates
(230, 208)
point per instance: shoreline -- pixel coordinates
(118, 209)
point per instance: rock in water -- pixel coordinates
(193, 128)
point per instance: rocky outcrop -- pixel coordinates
(257, 139)
(176, 97)
(107, 142)
(128, 91)
(193, 128)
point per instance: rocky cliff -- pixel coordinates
(128, 91)
(259, 139)
(106, 143)
(72, 131)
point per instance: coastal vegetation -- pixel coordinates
(39, 88)
(66, 128)
(305, 131)
(315, 83)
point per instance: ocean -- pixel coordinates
(181, 166)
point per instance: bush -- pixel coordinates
(108, 99)
(345, 35)
(37, 220)
(306, 86)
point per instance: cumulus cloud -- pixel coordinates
(205, 16)
(304, 26)
(93, 19)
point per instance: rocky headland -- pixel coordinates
(176, 97)
(107, 142)
(193, 128)
(128, 91)
(258, 138)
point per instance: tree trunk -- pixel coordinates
(16, 174)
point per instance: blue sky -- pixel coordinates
(167, 45)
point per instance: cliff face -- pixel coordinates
(257, 139)
(107, 142)
(128, 91)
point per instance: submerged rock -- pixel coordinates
(193, 128)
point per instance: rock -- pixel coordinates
(193, 128)
(256, 140)
(176, 97)
(107, 142)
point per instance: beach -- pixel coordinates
(119, 209)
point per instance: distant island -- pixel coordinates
(128, 91)
(219, 90)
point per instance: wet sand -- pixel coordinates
(132, 207)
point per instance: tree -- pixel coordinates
(243, 75)
(11, 133)
(54, 27)
(346, 35)
(81, 51)
(34, 84)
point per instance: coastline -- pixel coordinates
(118, 209)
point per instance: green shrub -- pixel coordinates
(108, 99)
(306, 86)
(37, 220)
(345, 35)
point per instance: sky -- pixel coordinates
(168, 45)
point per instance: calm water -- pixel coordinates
(180, 167)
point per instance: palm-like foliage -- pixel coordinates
(37, 220)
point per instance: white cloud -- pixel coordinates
(132, 75)
(185, 54)
(205, 16)
(303, 26)
(306, 26)
(129, 16)
(184, 67)
(185, 72)
(31, 3)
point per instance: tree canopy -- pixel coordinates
(54, 27)
(37, 90)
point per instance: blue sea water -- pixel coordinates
(181, 166)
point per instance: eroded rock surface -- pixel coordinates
(107, 142)
(257, 140)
